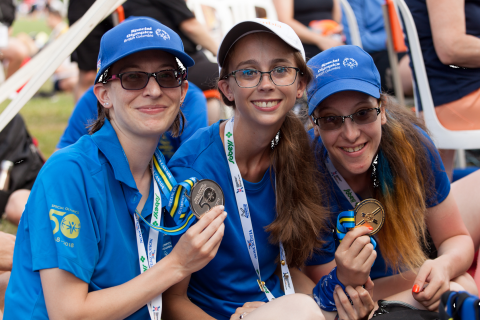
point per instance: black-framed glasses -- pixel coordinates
(250, 78)
(137, 80)
(363, 116)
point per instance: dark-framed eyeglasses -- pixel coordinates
(137, 80)
(363, 116)
(251, 78)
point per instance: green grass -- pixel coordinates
(30, 25)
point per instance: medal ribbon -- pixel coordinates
(346, 219)
(244, 212)
(178, 204)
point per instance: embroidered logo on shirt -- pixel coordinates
(69, 226)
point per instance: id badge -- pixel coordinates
(3, 35)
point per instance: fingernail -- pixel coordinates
(221, 207)
(370, 228)
(416, 288)
(337, 286)
(225, 213)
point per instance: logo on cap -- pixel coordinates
(99, 65)
(349, 62)
(163, 34)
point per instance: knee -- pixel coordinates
(16, 204)
(465, 282)
(305, 307)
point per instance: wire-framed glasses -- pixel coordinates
(363, 116)
(250, 78)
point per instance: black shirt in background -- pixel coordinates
(305, 11)
(168, 12)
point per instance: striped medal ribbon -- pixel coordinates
(178, 204)
(244, 212)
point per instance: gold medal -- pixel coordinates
(370, 213)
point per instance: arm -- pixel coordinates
(7, 244)
(66, 296)
(301, 282)
(455, 253)
(199, 34)
(317, 272)
(178, 306)
(285, 14)
(452, 44)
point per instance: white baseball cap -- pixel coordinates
(241, 29)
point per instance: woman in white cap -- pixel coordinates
(262, 160)
(82, 249)
(369, 147)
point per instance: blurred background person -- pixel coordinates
(304, 16)
(374, 40)
(449, 32)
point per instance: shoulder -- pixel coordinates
(194, 149)
(80, 157)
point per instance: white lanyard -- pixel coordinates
(342, 184)
(244, 212)
(148, 261)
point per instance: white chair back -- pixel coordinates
(352, 23)
(443, 138)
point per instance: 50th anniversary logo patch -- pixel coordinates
(66, 221)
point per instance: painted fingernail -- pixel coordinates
(416, 288)
(370, 228)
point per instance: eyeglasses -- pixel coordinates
(136, 80)
(363, 116)
(250, 78)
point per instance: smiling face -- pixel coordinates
(148, 112)
(352, 146)
(266, 104)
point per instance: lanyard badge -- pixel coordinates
(244, 212)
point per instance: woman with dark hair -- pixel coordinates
(80, 251)
(369, 147)
(262, 160)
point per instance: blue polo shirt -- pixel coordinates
(339, 203)
(79, 218)
(370, 24)
(229, 280)
(194, 108)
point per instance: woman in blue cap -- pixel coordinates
(369, 147)
(84, 249)
(263, 162)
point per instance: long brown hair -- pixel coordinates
(300, 215)
(406, 182)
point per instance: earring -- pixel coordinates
(275, 140)
(375, 172)
(106, 103)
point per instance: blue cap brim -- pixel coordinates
(339, 86)
(186, 60)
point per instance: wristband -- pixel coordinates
(323, 291)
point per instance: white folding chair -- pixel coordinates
(443, 138)
(352, 23)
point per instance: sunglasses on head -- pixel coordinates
(363, 116)
(137, 80)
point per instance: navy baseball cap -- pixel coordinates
(343, 68)
(138, 34)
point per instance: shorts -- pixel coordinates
(461, 114)
(86, 54)
(380, 58)
(204, 74)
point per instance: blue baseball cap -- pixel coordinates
(138, 34)
(343, 68)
